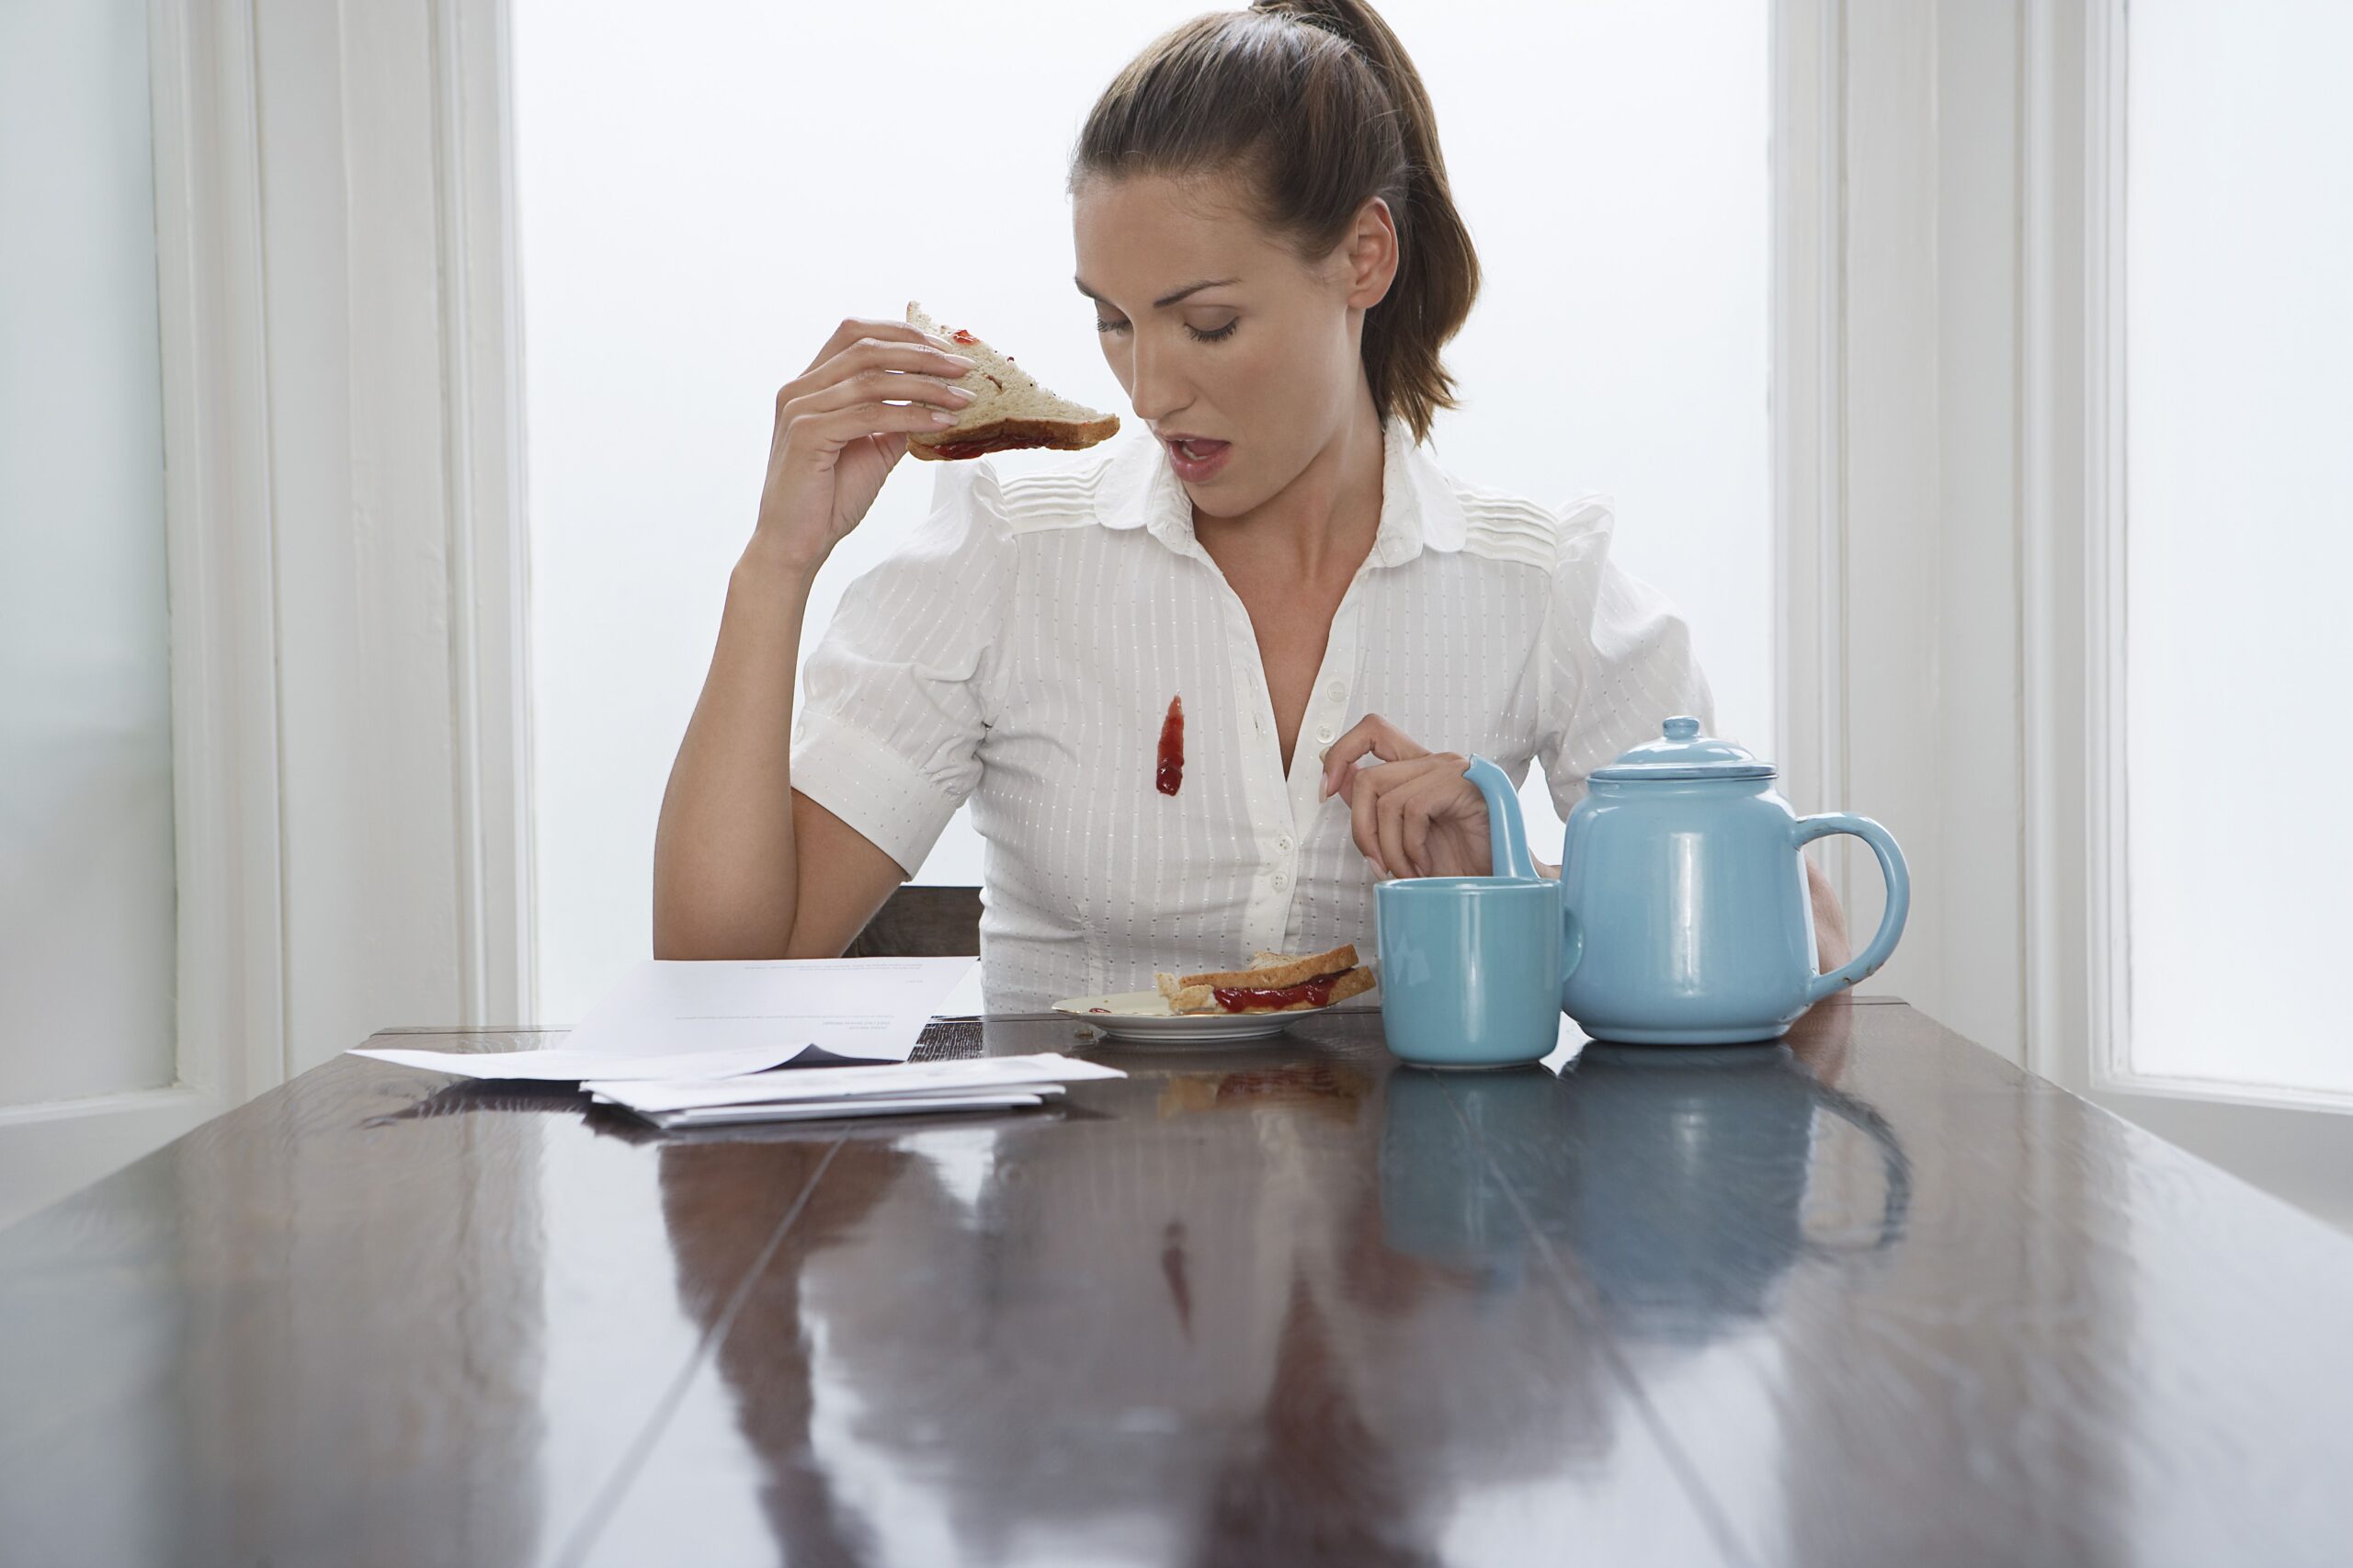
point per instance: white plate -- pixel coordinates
(1144, 1017)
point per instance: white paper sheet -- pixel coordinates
(561, 1066)
(679, 1021)
(853, 1082)
(818, 1110)
(967, 1001)
(858, 1009)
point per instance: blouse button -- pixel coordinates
(1335, 691)
(1282, 846)
(1280, 881)
(1323, 732)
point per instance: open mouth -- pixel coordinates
(1197, 453)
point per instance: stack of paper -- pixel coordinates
(980, 1082)
(699, 1044)
(669, 1020)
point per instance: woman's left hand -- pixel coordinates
(1413, 813)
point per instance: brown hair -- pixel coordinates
(1316, 105)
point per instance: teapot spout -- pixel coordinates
(1507, 832)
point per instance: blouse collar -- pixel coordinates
(1418, 507)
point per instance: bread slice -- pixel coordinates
(1204, 998)
(1011, 409)
(1279, 968)
(1267, 971)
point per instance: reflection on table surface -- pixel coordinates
(1868, 1296)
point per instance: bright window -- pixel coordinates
(2239, 538)
(88, 965)
(706, 189)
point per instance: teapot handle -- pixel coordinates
(1805, 831)
(1898, 1165)
(1507, 833)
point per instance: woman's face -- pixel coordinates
(1217, 330)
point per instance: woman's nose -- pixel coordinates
(1153, 387)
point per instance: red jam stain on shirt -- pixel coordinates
(1171, 775)
(1315, 992)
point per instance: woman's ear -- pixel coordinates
(1370, 255)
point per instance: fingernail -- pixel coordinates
(967, 394)
(941, 417)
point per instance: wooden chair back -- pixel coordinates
(921, 923)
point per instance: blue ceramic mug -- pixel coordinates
(1471, 967)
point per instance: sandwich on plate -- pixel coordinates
(1010, 409)
(1275, 982)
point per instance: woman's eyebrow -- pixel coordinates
(1166, 301)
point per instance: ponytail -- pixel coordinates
(1317, 104)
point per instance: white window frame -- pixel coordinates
(2106, 522)
(420, 99)
(1947, 199)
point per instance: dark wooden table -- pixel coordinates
(1879, 1298)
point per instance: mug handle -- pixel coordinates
(1899, 895)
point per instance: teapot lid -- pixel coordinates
(1682, 752)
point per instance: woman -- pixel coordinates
(1264, 226)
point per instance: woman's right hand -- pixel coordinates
(842, 424)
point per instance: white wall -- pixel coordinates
(706, 189)
(86, 963)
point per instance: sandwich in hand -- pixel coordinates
(1010, 410)
(1275, 982)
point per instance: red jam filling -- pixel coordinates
(1171, 775)
(961, 335)
(1315, 992)
(980, 448)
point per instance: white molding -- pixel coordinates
(402, 768)
(2229, 1091)
(2050, 1003)
(1857, 447)
(52, 1149)
(2107, 897)
(489, 627)
(1895, 320)
(1809, 409)
(219, 532)
(181, 1099)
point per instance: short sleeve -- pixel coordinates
(1617, 661)
(894, 698)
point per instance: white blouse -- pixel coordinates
(1021, 651)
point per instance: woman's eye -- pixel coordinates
(1218, 335)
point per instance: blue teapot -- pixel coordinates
(1686, 912)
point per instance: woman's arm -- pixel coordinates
(1830, 940)
(744, 865)
(738, 847)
